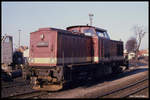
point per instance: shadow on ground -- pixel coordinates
(89, 83)
(138, 63)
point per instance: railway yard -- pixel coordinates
(54, 56)
(132, 83)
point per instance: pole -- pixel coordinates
(90, 17)
(19, 36)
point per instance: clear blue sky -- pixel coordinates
(117, 17)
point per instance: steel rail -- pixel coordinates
(117, 90)
(27, 95)
(134, 92)
(15, 85)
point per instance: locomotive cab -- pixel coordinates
(81, 29)
(89, 31)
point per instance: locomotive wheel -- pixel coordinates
(49, 87)
(117, 70)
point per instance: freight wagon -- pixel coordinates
(9, 59)
(6, 53)
(58, 57)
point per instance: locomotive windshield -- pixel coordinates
(88, 32)
(74, 30)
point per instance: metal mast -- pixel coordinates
(19, 36)
(91, 18)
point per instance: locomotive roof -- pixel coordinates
(66, 31)
(51, 28)
(86, 26)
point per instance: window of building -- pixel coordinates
(6, 39)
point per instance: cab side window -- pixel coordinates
(102, 34)
(106, 35)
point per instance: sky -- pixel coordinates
(118, 18)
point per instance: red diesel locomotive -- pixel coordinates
(58, 56)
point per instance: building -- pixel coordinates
(26, 53)
(131, 55)
(143, 53)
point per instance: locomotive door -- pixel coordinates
(89, 50)
(105, 48)
(95, 47)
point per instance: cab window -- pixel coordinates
(88, 32)
(106, 34)
(102, 34)
(74, 30)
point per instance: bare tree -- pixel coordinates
(139, 32)
(131, 44)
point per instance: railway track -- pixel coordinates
(126, 91)
(38, 94)
(14, 85)
(13, 88)
(134, 92)
(32, 94)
